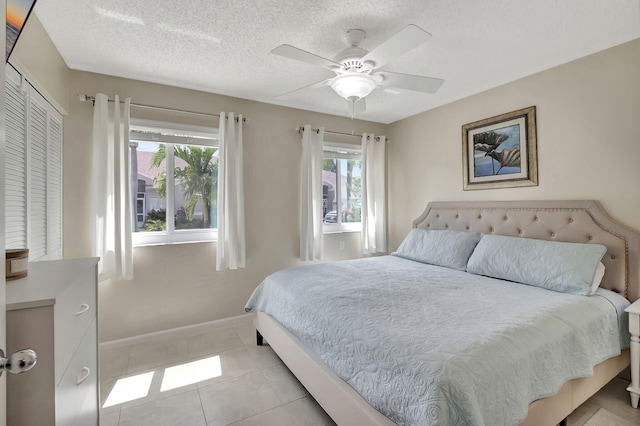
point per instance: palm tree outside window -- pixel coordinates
(174, 174)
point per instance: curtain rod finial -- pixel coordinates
(86, 98)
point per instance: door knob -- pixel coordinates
(19, 362)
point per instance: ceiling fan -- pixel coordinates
(354, 67)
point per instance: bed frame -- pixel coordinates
(571, 221)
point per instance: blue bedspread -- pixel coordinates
(427, 345)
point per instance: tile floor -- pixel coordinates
(615, 399)
(254, 387)
(251, 385)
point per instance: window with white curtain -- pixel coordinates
(341, 187)
(33, 171)
(173, 207)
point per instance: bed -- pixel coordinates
(567, 221)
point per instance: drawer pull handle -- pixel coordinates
(86, 372)
(83, 308)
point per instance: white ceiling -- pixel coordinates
(224, 46)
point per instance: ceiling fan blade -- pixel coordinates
(291, 52)
(293, 93)
(403, 41)
(416, 83)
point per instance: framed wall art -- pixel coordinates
(500, 152)
(17, 13)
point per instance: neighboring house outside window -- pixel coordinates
(341, 187)
(173, 207)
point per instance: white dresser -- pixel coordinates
(54, 312)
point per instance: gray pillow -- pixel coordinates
(559, 266)
(450, 249)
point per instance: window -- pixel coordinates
(341, 187)
(33, 171)
(178, 206)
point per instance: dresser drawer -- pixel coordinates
(74, 311)
(43, 312)
(77, 392)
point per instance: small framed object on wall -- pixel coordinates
(500, 152)
(17, 13)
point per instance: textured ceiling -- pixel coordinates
(224, 46)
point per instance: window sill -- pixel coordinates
(146, 239)
(340, 229)
(172, 243)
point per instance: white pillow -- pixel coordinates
(558, 266)
(450, 249)
(597, 278)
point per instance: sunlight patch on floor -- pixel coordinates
(190, 373)
(129, 388)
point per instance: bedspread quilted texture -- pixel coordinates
(427, 345)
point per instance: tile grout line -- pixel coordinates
(204, 414)
(591, 416)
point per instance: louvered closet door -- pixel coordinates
(16, 163)
(33, 164)
(37, 136)
(54, 186)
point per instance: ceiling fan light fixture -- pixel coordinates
(354, 85)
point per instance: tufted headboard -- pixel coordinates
(570, 221)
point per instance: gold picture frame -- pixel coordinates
(501, 151)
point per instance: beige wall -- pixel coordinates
(177, 285)
(588, 140)
(36, 58)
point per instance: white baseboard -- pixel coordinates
(177, 332)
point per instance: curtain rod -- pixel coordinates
(300, 129)
(86, 98)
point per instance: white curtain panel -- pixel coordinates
(311, 194)
(111, 184)
(231, 232)
(374, 223)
